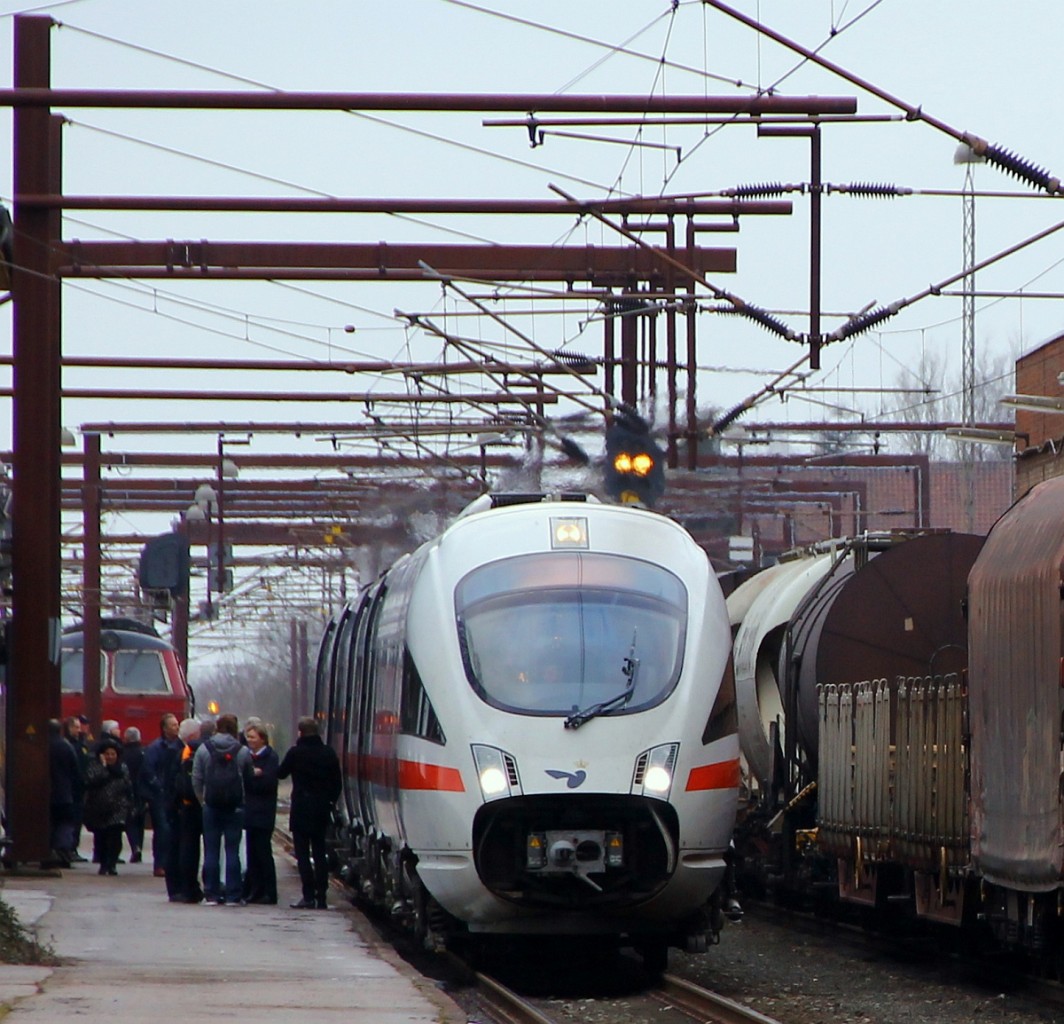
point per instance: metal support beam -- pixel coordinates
(91, 582)
(199, 259)
(33, 670)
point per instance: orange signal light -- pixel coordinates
(642, 464)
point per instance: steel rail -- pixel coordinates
(705, 1005)
(507, 1004)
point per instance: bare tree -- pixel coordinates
(943, 400)
(255, 681)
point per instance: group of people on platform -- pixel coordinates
(204, 786)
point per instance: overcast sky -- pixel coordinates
(969, 64)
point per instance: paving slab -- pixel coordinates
(124, 952)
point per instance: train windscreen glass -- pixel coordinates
(549, 634)
(140, 672)
(72, 672)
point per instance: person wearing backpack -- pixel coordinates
(220, 768)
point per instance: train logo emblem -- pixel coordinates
(572, 779)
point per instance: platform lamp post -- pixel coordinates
(227, 470)
(202, 511)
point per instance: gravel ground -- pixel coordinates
(802, 978)
(792, 974)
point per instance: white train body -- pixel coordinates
(536, 715)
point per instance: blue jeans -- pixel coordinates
(218, 826)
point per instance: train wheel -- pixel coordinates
(655, 956)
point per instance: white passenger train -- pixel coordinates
(536, 715)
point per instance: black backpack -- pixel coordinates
(223, 789)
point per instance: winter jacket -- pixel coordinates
(316, 784)
(161, 758)
(226, 744)
(108, 795)
(65, 772)
(133, 759)
(260, 791)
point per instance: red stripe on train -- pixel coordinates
(415, 775)
(722, 775)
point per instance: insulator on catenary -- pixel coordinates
(872, 189)
(577, 360)
(573, 450)
(764, 318)
(727, 419)
(1022, 169)
(864, 322)
(772, 188)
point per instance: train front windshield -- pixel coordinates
(548, 634)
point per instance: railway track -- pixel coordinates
(672, 1001)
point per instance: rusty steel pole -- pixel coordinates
(33, 669)
(91, 596)
(179, 622)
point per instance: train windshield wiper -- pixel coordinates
(629, 668)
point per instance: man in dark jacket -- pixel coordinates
(133, 759)
(161, 759)
(66, 787)
(77, 732)
(316, 785)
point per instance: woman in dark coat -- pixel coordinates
(108, 801)
(260, 814)
(316, 785)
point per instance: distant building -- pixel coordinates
(1038, 373)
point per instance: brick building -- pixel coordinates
(1041, 454)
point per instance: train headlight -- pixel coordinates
(568, 532)
(654, 770)
(496, 772)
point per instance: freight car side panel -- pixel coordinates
(1014, 595)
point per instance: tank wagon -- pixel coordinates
(907, 750)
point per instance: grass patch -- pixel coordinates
(18, 946)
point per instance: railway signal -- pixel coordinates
(635, 465)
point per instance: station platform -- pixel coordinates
(124, 952)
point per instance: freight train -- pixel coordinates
(901, 709)
(535, 715)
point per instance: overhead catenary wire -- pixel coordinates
(1004, 159)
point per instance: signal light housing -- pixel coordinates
(635, 465)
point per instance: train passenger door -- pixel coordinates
(362, 703)
(339, 692)
(346, 701)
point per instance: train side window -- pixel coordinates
(723, 718)
(140, 672)
(417, 716)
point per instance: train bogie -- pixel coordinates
(542, 728)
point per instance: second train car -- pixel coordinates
(536, 716)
